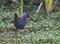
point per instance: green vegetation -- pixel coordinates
(43, 29)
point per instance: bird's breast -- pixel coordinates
(20, 24)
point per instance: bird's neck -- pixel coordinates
(25, 18)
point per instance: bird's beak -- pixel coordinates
(30, 18)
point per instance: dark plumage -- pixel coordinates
(20, 23)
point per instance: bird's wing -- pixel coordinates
(17, 20)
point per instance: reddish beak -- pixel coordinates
(30, 18)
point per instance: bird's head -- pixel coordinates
(26, 15)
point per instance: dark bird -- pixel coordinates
(20, 23)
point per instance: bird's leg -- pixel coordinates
(21, 30)
(16, 32)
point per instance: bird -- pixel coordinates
(20, 23)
